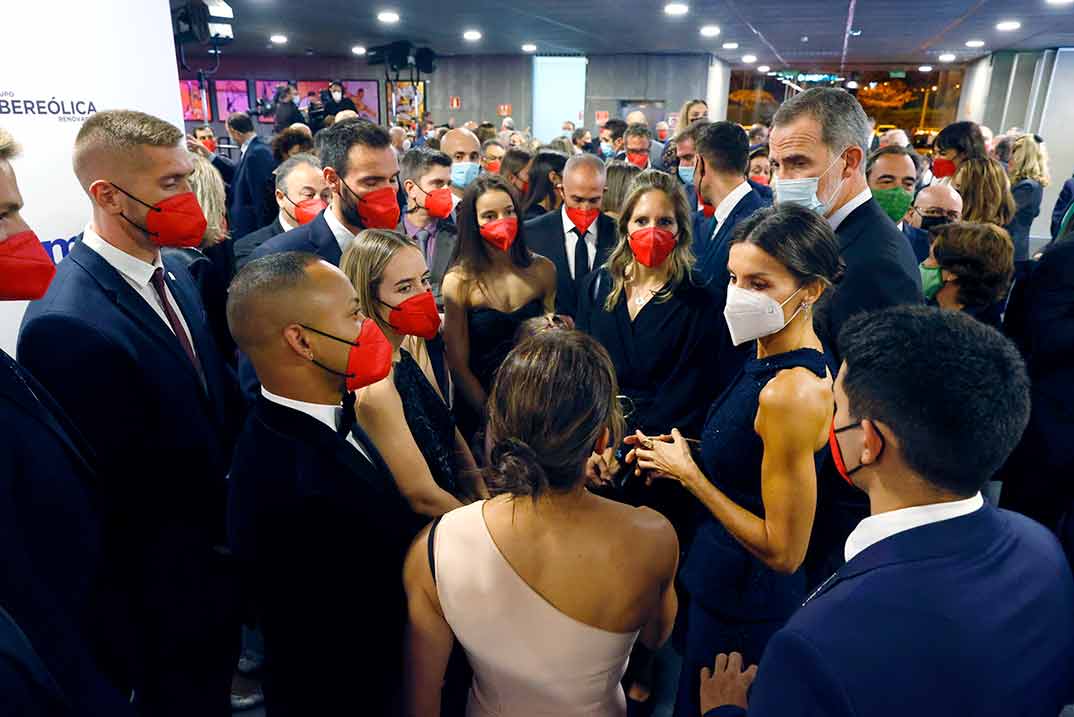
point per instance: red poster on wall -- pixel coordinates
(455, 102)
(503, 110)
(600, 117)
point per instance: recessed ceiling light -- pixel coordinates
(529, 47)
(749, 59)
(710, 30)
(947, 57)
(1008, 25)
(925, 68)
(730, 46)
(975, 43)
(763, 68)
(358, 50)
(676, 8)
(278, 39)
(471, 36)
(1060, 2)
(388, 16)
(852, 85)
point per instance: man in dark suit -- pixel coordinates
(425, 176)
(52, 626)
(934, 205)
(892, 173)
(946, 605)
(1066, 196)
(314, 515)
(301, 194)
(249, 180)
(578, 238)
(158, 405)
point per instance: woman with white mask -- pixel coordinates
(763, 442)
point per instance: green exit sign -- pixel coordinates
(897, 74)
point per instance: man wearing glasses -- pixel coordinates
(934, 205)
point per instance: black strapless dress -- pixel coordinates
(430, 421)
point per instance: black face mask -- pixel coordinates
(928, 223)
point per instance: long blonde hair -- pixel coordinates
(986, 192)
(680, 263)
(1029, 160)
(364, 263)
(208, 187)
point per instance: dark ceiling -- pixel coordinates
(781, 33)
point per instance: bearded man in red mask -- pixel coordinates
(121, 341)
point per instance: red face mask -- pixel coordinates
(308, 209)
(661, 134)
(25, 268)
(493, 167)
(379, 209)
(370, 357)
(709, 210)
(173, 222)
(525, 188)
(837, 452)
(417, 316)
(943, 167)
(582, 218)
(652, 245)
(438, 203)
(501, 233)
(760, 178)
(638, 160)
(209, 144)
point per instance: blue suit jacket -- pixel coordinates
(163, 440)
(968, 616)
(920, 241)
(315, 238)
(712, 251)
(250, 182)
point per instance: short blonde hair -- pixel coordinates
(114, 133)
(1029, 160)
(208, 187)
(364, 263)
(681, 261)
(9, 148)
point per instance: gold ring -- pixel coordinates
(648, 444)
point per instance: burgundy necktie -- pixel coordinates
(173, 319)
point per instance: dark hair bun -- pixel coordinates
(514, 468)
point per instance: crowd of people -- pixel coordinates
(459, 422)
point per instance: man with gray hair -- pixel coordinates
(301, 194)
(578, 238)
(818, 147)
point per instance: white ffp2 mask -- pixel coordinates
(752, 315)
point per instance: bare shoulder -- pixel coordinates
(648, 533)
(379, 401)
(796, 391)
(543, 268)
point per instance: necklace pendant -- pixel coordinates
(639, 301)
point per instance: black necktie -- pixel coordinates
(581, 258)
(347, 418)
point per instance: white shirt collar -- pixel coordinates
(242, 149)
(725, 207)
(285, 222)
(844, 211)
(343, 234)
(884, 525)
(328, 415)
(568, 226)
(132, 268)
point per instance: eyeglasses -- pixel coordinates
(949, 214)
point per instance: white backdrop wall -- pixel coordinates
(104, 54)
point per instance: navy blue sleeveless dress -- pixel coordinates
(736, 601)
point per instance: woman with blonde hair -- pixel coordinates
(405, 414)
(619, 174)
(693, 110)
(1028, 170)
(986, 192)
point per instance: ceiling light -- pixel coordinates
(358, 50)
(1008, 25)
(975, 43)
(730, 46)
(925, 68)
(852, 85)
(471, 36)
(388, 16)
(763, 68)
(1059, 2)
(278, 39)
(749, 59)
(710, 30)
(676, 8)
(529, 47)
(947, 57)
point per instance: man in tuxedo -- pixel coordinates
(314, 515)
(578, 238)
(52, 627)
(945, 605)
(249, 180)
(892, 173)
(301, 194)
(425, 175)
(122, 342)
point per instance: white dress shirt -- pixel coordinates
(242, 149)
(326, 414)
(137, 273)
(342, 234)
(844, 211)
(884, 525)
(285, 221)
(572, 240)
(728, 204)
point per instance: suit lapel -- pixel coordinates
(446, 238)
(193, 312)
(607, 238)
(325, 240)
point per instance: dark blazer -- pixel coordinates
(321, 533)
(762, 189)
(916, 624)
(920, 241)
(1066, 196)
(248, 181)
(713, 251)
(50, 543)
(315, 237)
(880, 272)
(163, 440)
(287, 113)
(1027, 198)
(544, 235)
(27, 686)
(245, 246)
(212, 285)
